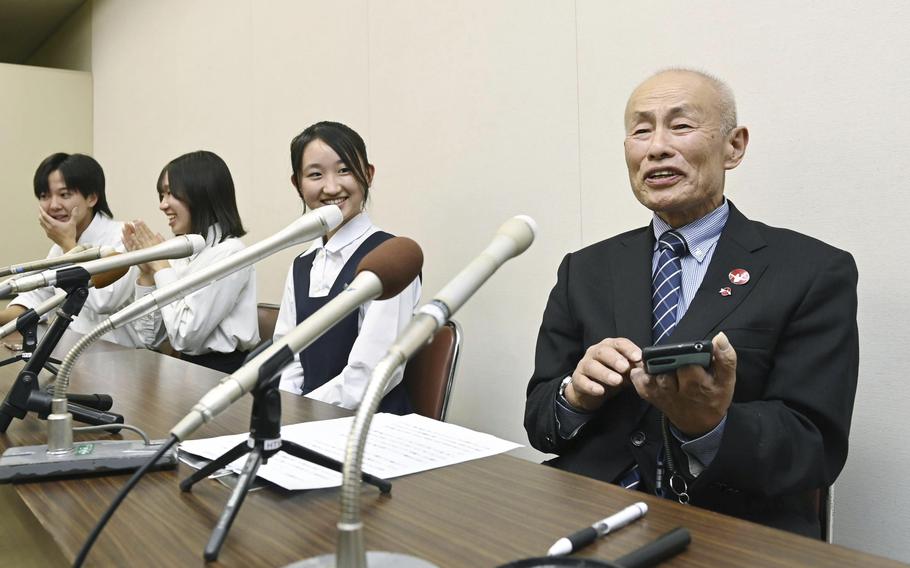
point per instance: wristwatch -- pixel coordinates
(562, 387)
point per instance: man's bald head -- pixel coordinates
(724, 101)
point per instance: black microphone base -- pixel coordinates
(33, 463)
(375, 559)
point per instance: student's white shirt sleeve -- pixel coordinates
(108, 300)
(190, 322)
(148, 328)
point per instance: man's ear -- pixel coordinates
(736, 147)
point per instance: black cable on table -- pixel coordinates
(99, 526)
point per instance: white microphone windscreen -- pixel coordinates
(522, 229)
(196, 241)
(332, 216)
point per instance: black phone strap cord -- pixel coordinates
(676, 482)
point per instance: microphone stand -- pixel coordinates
(26, 395)
(27, 326)
(350, 552)
(264, 442)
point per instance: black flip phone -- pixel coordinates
(668, 358)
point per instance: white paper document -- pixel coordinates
(396, 446)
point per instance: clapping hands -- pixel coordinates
(137, 236)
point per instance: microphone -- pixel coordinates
(97, 281)
(513, 238)
(382, 274)
(76, 254)
(39, 310)
(105, 279)
(312, 225)
(177, 247)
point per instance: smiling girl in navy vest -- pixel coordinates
(330, 167)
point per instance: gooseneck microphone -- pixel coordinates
(177, 247)
(312, 225)
(382, 274)
(513, 238)
(75, 255)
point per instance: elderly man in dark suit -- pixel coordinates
(766, 424)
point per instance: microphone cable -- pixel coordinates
(121, 495)
(117, 427)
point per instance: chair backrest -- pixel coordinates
(823, 499)
(268, 315)
(428, 376)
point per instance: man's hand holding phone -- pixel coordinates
(694, 398)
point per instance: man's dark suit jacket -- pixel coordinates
(793, 326)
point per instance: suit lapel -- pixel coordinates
(630, 268)
(736, 249)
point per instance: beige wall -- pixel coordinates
(473, 122)
(42, 111)
(477, 110)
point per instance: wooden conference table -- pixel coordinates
(480, 513)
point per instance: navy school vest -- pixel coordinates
(326, 357)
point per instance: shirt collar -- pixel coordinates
(94, 234)
(350, 232)
(700, 234)
(213, 235)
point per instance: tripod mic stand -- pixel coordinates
(264, 442)
(27, 326)
(26, 395)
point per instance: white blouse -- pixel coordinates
(219, 318)
(379, 322)
(101, 302)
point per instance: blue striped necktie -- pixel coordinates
(667, 294)
(666, 286)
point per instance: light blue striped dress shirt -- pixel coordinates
(701, 236)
